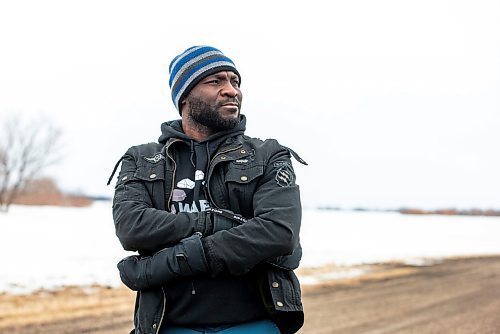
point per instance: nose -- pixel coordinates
(229, 90)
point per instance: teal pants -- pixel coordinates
(254, 327)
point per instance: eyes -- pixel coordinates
(235, 82)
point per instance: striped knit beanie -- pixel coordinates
(194, 64)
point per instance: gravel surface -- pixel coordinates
(455, 296)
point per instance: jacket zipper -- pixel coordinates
(167, 153)
(173, 173)
(162, 312)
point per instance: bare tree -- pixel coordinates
(27, 147)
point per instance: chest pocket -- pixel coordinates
(141, 184)
(243, 174)
(241, 183)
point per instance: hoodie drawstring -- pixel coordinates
(192, 154)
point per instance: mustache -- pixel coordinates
(230, 100)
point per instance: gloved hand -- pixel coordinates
(187, 258)
(215, 220)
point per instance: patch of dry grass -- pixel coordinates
(67, 303)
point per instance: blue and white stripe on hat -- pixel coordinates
(194, 64)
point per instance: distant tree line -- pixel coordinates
(451, 211)
(415, 211)
(44, 191)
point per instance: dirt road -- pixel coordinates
(459, 296)
(456, 296)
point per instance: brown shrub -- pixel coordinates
(45, 191)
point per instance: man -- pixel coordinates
(214, 214)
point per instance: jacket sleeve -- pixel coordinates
(274, 229)
(140, 225)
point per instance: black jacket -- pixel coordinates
(247, 176)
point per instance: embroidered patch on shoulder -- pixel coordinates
(285, 176)
(280, 163)
(155, 158)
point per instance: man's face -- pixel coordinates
(215, 101)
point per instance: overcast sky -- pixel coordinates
(392, 103)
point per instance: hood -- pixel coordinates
(173, 129)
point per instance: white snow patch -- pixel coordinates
(51, 247)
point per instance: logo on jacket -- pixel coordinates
(285, 175)
(155, 158)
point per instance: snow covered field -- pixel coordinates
(49, 247)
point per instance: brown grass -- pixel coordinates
(67, 303)
(45, 191)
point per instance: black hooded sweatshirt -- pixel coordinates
(203, 300)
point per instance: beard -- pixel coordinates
(207, 115)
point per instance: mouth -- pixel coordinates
(231, 105)
(232, 102)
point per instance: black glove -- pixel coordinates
(215, 220)
(187, 258)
